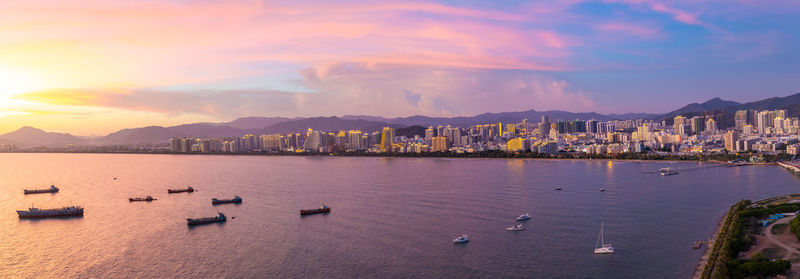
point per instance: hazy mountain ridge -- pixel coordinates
(29, 136)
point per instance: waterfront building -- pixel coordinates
(387, 139)
(517, 144)
(439, 144)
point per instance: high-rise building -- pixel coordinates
(741, 118)
(387, 138)
(730, 140)
(523, 129)
(544, 127)
(698, 124)
(355, 140)
(313, 140)
(711, 125)
(678, 123)
(429, 133)
(439, 144)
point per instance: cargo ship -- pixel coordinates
(148, 198)
(207, 220)
(66, 211)
(52, 189)
(321, 209)
(187, 190)
(235, 199)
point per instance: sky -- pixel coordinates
(94, 67)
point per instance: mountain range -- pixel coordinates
(29, 136)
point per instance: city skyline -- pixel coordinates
(99, 67)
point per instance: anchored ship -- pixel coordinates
(52, 189)
(207, 220)
(55, 212)
(321, 209)
(148, 198)
(667, 171)
(235, 199)
(187, 190)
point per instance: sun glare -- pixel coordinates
(14, 82)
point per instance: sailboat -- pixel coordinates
(601, 247)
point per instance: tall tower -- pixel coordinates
(387, 138)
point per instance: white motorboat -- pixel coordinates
(461, 239)
(517, 227)
(523, 217)
(601, 247)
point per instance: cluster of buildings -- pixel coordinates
(760, 131)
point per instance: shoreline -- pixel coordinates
(378, 155)
(698, 271)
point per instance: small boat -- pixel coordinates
(52, 189)
(187, 190)
(148, 198)
(235, 199)
(321, 209)
(667, 171)
(558, 189)
(602, 189)
(697, 244)
(464, 238)
(67, 211)
(601, 247)
(523, 217)
(517, 227)
(207, 220)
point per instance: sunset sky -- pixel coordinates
(94, 67)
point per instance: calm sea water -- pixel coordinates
(392, 217)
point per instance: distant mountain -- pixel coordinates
(709, 105)
(151, 134)
(28, 136)
(332, 123)
(255, 123)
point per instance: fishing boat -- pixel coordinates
(52, 189)
(523, 217)
(235, 199)
(187, 190)
(601, 247)
(207, 220)
(464, 238)
(667, 171)
(517, 227)
(321, 209)
(67, 211)
(148, 198)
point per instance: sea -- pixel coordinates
(390, 218)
